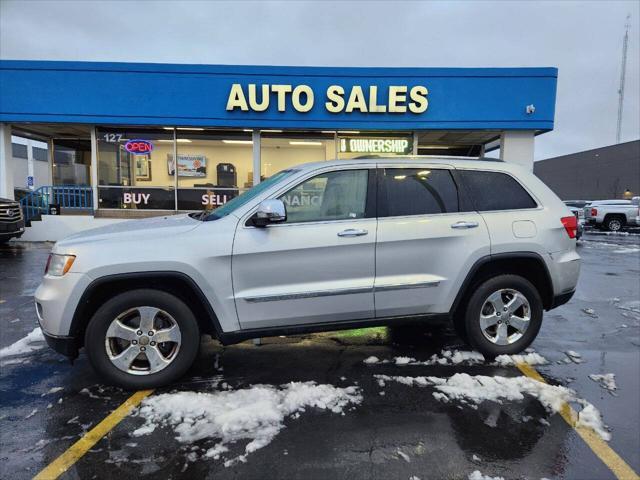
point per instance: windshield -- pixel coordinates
(242, 199)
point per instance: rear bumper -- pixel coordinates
(67, 346)
(561, 299)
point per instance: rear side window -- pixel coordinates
(416, 191)
(495, 191)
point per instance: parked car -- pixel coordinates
(613, 215)
(11, 220)
(579, 205)
(323, 246)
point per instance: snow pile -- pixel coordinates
(607, 381)
(477, 475)
(255, 414)
(575, 357)
(24, 345)
(532, 358)
(475, 389)
(461, 357)
(627, 250)
(590, 417)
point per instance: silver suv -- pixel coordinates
(323, 246)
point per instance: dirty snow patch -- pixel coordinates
(590, 417)
(255, 414)
(24, 345)
(475, 389)
(530, 358)
(461, 357)
(606, 381)
(477, 475)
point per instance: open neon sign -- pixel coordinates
(139, 147)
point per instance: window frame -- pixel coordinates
(447, 168)
(370, 201)
(471, 202)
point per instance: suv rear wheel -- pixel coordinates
(503, 315)
(142, 339)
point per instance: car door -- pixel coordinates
(319, 265)
(426, 240)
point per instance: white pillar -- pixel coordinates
(415, 143)
(516, 146)
(257, 164)
(6, 154)
(30, 171)
(94, 168)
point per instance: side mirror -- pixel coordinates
(269, 211)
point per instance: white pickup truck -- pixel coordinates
(613, 215)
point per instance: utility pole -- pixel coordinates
(623, 72)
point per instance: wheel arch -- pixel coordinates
(175, 283)
(529, 265)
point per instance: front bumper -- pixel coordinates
(11, 229)
(67, 346)
(56, 301)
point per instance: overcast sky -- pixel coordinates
(582, 39)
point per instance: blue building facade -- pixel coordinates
(205, 133)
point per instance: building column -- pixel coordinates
(517, 147)
(6, 154)
(30, 171)
(257, 164)
(94, 168)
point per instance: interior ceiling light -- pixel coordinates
(239, 142)
(400, 177)
(271, 131)
(302, 142)
(178, 140)
(349, 131)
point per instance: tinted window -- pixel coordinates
(416, 191)
(329, 196)
(495, 191)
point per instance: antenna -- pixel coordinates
(623, 71)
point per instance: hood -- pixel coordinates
(7, 200)
(128, 230)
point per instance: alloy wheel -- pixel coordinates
(505, 316)
(143, 340)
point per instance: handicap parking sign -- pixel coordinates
(29, 181)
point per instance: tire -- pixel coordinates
(114, 336)
(503, 339)
(613, 224)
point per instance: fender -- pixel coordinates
(150, 279)
(466, 284)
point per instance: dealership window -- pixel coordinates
(281, 150)
(214, 166)
(71, 161)
(132, 168)
(482, 187)
(416, 191)
(330, 196)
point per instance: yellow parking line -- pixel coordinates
(78, 449)
(601, 448)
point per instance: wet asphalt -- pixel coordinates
(403, 433)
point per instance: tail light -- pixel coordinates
(570, 225)
(594, 212)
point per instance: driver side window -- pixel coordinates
(329, 196)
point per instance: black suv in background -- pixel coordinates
(11, 220)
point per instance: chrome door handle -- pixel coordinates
(465, 225)
(352, 232)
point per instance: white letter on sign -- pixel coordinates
(236, 98)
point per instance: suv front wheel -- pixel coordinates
(503, 315)
(142, 339)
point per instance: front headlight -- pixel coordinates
(58, 265)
